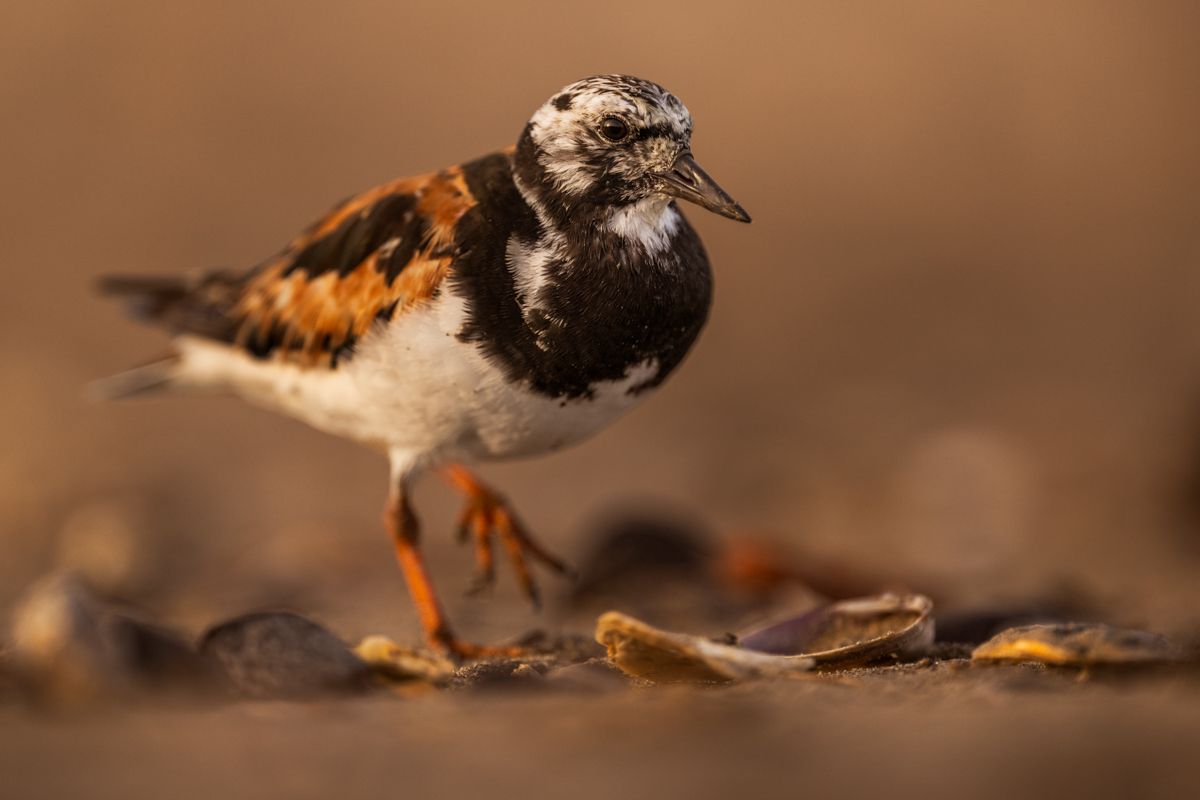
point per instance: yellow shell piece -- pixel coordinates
(1076, 645)
(398, 663)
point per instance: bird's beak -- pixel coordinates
(687, 181)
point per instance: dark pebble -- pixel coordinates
(157, 657)
(283, 655)
(637, 551)
(73, 646)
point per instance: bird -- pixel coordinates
(505, 307)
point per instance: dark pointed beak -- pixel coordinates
(687, 181)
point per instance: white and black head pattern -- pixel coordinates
(604, 140)
(615, 150)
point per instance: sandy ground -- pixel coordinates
(900, 732)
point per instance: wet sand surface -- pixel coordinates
(950, 731)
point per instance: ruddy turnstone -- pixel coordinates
(508, 306)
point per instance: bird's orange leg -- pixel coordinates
(405, 531)
(485, 514)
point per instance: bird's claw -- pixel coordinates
(487, 517)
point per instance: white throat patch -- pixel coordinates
(651, 222)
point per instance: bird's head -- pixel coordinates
(615, 141)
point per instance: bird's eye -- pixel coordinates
(614, 129)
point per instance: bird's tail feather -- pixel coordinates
(199, 304)
(147, 297)
(147, 378)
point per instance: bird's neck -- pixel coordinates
(557, 211)
(592, 302)
(643, 228)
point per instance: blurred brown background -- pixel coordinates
(960, 339)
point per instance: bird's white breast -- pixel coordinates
(413, 386)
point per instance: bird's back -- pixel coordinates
(373, 256)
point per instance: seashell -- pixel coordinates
(851, 632)
(662, 656)
(395, 662)
(1077, 644)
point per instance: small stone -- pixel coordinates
(636, 553)
(283, 655)
(70, 646)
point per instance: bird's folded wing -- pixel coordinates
(373, 256)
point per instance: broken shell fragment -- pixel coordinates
(852, 632)
(647, 652)
(1077, 644)
(397, 663)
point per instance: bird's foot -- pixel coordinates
(462, 650)
(487, 517)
